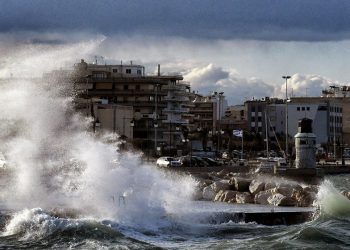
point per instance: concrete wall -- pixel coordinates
(115, 118)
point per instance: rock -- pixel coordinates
(270, 185)
(226, 196)
(311, 188)
(222, 173)
(346, 193)
(287, 189)
(241, 184)
(204, 183)
(219, 196)
(208, 193)
(281, 200)
(232, 182)
(262, 197)
(290, 185)
(220, 185)
(244, 198)
(304, 198)
(256, 186)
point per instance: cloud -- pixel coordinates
(236, 88)
(302, 85)
(271, 20)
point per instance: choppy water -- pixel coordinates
(65, 187)
(37, 228)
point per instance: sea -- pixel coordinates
(62, 186)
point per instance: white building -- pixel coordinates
(325, 113)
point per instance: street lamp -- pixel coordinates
(286, 78)
(155, 118)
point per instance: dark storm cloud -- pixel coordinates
(297, 20)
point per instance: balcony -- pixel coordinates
(174, 122)
(123, 92)
(176, 110)
(176, 99)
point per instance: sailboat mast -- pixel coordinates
(266, 136)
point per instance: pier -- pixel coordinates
(219, 212)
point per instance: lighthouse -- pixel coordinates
(305, 145)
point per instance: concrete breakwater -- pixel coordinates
(269, 195)
(225, 186)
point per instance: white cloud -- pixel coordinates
(302, 85)
(236, 88)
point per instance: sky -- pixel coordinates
(240, 47)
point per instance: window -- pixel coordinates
(308, 108)
(128, 71)
(115, 70)
(259, 119)
(137, 87)
(139, 72)
(253, 119)
(322, 108)
(253, 108)
(303, 108)
(126, 87)
(303, 142)
(298, 108)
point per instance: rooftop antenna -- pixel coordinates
(96, 60)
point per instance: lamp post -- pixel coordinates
(286, 78)
(155, 119)
(219, 123)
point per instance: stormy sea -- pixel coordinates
(64, 187)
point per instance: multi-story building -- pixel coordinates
(270, 113)
(326, 113)
(256, 110)
(342, 95)
(177, 111)
(158, 101)
(266, 117)
(235, 118)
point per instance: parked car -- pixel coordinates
(194, 161)
(167, 161)
(200, 161)
(211, 161)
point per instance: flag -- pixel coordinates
(238, 133)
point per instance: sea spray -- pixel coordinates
(55, 161)
(331, 201)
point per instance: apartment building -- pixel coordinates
(235, 118)
(256, 110)
(157, 101)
